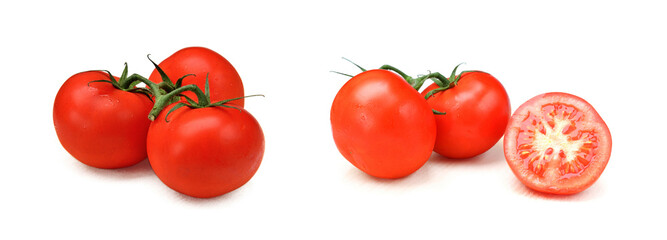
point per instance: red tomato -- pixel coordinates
(557, 143)
(477, 111)
(205, 152)
(100, 125)
(382, 125)
(225, 83)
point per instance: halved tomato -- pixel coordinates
(557, 143)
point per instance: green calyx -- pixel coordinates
(166, 92)
(124, 83)
(416, 83)
(167, 85)
(446, 83)
(203, 100)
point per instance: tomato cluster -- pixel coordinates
(386, 128)
(203, 148)
(554, 143)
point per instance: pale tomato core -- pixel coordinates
(554, 143)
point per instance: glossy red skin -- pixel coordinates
(477, 111)
(99, 125)
(224, 82)
(205, 152)
(382, 125)
(587, 120)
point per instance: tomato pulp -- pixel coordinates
(382, 125)
(557, 143)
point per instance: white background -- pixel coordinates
(611, 53)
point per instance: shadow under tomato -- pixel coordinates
(422, 175)
(204, 201)
(139, 170)
(588, 194)
(236, 193)
(436, 163)
(494, 155)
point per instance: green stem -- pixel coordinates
(436, 77)
(360, 68)
(407, 78)
(136, 77)
(123, 82)
(443, 82)
(223, 102)
(455, 78)
(162, 101)
(164, 76)
(392, 68)
(166, 86)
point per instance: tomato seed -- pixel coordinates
(549, 151)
